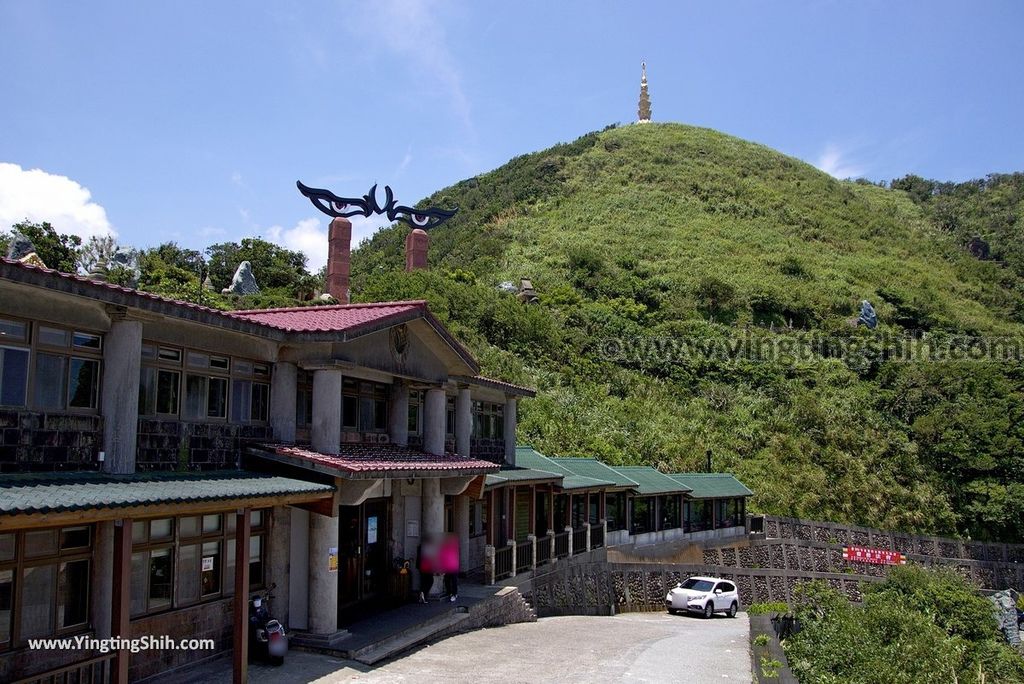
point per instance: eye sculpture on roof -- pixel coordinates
(343, 207)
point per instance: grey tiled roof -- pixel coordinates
(62, 492)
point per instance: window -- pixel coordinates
(668, 506)
(449, 417)
(615, 511)
(214, 386)
(415, 412)
(13, 376)
(304, 399)
(364, 406)
(64, 379)
(181, 561)
(488, 420)
(44, 583)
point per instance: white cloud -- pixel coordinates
(40, 196)
(404, 164)
(308, 236)
(836, 163)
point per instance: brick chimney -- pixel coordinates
(416, 244)
(339, 247)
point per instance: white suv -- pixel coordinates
(706, 595)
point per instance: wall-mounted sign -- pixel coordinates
(332, 559)
(371, 529)
(412, 528)
(862, 554)
(207, 563)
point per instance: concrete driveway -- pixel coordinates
(635, 647)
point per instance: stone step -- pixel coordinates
(403, 641)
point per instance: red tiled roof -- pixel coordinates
(336, 318)
(377, 458)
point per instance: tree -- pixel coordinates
(57, 251)
(272, 265)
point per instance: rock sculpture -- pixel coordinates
(867, 315)
(244, 283)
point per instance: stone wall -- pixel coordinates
(488, 449)
(175, 445)
(35, 441)
(506, 608)
(205, 621)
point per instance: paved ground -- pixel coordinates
(635, 647)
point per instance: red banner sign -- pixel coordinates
(861, 554)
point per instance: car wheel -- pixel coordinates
(709, 609)
(672, 611)
(733, 609)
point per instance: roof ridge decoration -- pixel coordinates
(367, 205)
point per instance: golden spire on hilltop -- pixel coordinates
(644, 110)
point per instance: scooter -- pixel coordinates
(267, 638)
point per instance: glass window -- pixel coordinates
(161, 575)
(53, 337)
(74, 537)
(350, 412)
(83, 383)
(256, 518)
(255, 560)
(6, 604)
(8, 546)
(188, 574)
(260, 402)
(13, 376)
(261, 370)
(37, 601)
(13, 330)
(217, 398)
(167, 392)
(73, 589)
(161, 529)
(40, 543)
(169, 355)
(241, 400)
(197, 360)
(211, 523)
(220, 362)
(49, 381)
(195, 396)
(138, 580)
(86, 340)
(211, 568)
(188, 527)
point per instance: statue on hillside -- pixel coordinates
(244, 282)
(867, 315)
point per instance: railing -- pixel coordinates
(524, 556)
(93, 671)
(596, 536)
(543, 549)
(562, 544)
(579, 541)
(502, 562)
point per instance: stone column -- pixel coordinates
(569, 530)
(463, 421)
(323, 584)
(279, 561)
(122, 363)
(532, 538)
(512, 543)
(432, 520)
(102, 579)
(398, 414)
(510, 429)
(587, 527)
(461, 514)
(434, 421)
(326, 431)
(282, 401)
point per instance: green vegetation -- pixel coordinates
(667, 232)
(766, 608)
(918, 625)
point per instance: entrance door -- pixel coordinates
(362, 552)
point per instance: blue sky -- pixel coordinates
(191, 121)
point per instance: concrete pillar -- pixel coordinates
(569, 530)
(398, 414)
(510, 429)
(587, 527)
(339, 247)
(461, 515)
(122, 363)
(463, 421)
(512, 544)
(417, 243)
(532, 538)
(279, 561)
(102, 579)
(489, 564)
(323, 584)
(326, 431)
(434, 418)
(432, 515)
(282, 401)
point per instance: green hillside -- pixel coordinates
(645, 236)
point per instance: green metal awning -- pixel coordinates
(516, 475)
(712, 485)
(528, 457)
(595, 470)
(52, 497)
(651, 482)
